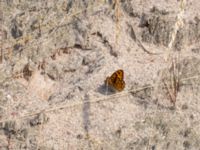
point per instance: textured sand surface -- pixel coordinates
(55, 56)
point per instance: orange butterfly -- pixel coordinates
(116, 80)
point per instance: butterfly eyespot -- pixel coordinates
(116, 80)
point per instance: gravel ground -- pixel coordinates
(56, 55)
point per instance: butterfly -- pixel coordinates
(116, 80)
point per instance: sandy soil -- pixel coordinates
(56, 55)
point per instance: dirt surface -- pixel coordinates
(56, 55)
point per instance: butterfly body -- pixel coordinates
(116, 80)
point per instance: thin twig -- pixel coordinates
(80, 103)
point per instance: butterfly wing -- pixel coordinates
(119, 85)
(116, 80)
(120, 74)
(111, 80)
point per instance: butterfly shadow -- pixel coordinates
(86, 115)
(105, 90)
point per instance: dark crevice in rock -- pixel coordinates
(157, 11)
(15, 30)
(106, 43)
(79, 46)
(39, 119)
(69, 5)
(27, 73)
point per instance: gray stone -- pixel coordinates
(158, 28)
(15, 29)
(39, 119)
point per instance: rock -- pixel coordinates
(11, 127)
(186, 144)
(69, 5)
(158, 28)
(73, 63)
(27, 72)
(15, 29)
(81, 28)
(94, 61)
(195, 50)
(39, 119)
(193, 34)
(20, 65)
(32, 143)
(54, 71)
(128, 8)
(18, 48)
